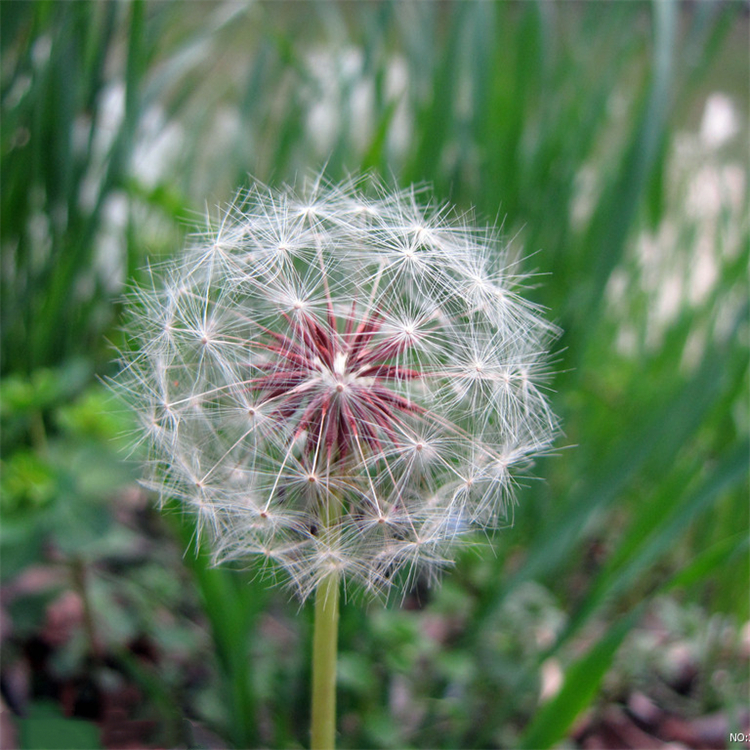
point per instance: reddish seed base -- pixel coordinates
(334, 379)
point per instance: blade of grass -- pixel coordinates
(232, 610)
(610, 225)
(582, 680)
(704, 566)
(435, 119)
(654, 533)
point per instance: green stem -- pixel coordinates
(325, 640)
(80, 584)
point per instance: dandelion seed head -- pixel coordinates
(336, 382)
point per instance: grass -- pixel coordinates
(572, 136)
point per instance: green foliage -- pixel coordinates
(46, 727)
(581, 682)
(60, 488)
(121, 121)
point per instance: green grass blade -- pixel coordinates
(725, 553)
(616, 212)
(232, 609)
(582, 680)
(649, 538)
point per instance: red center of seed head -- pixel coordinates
(334, 382)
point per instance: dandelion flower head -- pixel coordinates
(336, 379)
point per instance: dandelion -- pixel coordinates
(341, 383)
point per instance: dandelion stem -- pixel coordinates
(325, 640)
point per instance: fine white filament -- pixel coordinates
(339, 346)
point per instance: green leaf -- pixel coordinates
(709, 562)
(21, 544)
(232, 607)
(46, 727)
(43, 389)
(582, 680)
(649, 538)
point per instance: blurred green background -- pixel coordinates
(609, 141)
